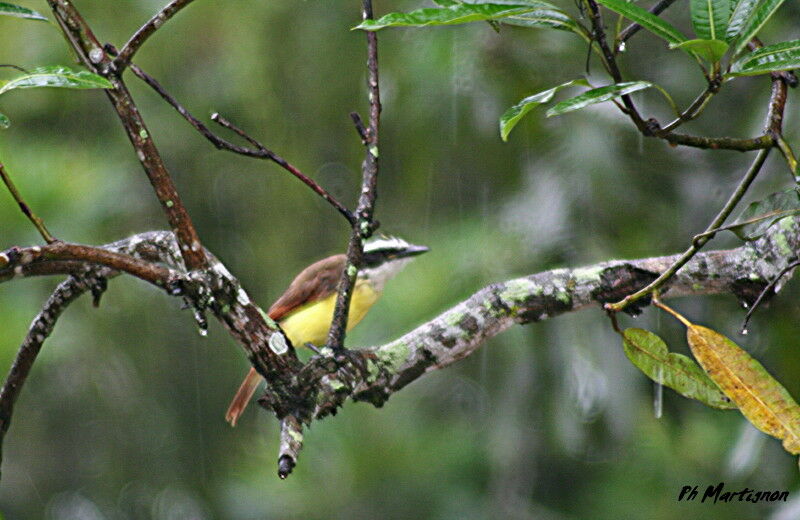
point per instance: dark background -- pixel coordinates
(122, 417)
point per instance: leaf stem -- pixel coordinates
(696, 245)
(697, 106)
(788, 154)
(678, 316)
(778, 214)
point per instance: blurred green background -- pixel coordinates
(122, 417)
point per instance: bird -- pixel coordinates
(305, 311)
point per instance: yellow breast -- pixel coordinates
(310, 323)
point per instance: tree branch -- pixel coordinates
(300, 394)
(291, 444)
(145, 256)
(67, 292)
(720, 143)
(95, 57)
(14, 261)
(364, 226)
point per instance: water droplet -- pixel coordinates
(621, 47)
(96, 55)
(744, 332)
(203, 332)
(745, 305)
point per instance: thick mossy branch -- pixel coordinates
(459, 331)
(299, 394)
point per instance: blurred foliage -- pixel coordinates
(122, 417)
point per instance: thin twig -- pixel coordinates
(41, 328)
(633, 28)
(769, 288)
(777, 107)
(721, 143)
(734, 199)
(268, 154)
(23, 206)
(145, 31)
(697, 106)
(259, 152)
(360, 128)
(364, 226)
(599, 35)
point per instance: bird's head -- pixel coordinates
(384, 257)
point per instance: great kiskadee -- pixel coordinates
(305, 310)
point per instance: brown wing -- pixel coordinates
(315, 282)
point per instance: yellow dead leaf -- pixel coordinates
(762, 399)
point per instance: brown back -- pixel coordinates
(315, 282)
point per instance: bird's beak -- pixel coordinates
(413, 250)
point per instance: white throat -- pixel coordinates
(378, 276)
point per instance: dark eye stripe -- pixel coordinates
(374, 258)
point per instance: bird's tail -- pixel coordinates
(243, 396)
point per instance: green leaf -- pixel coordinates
(741, 12)
(649, 21)
(513, 115)
(597, 95)
(761, 215)
(454, 14)
(20, 12)
(548, 18)
(754, 23)
(4, 121)
(781, 56)
(60, 77)
(761, 399)
(649, 354)
(710, 50)
(710, 18)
